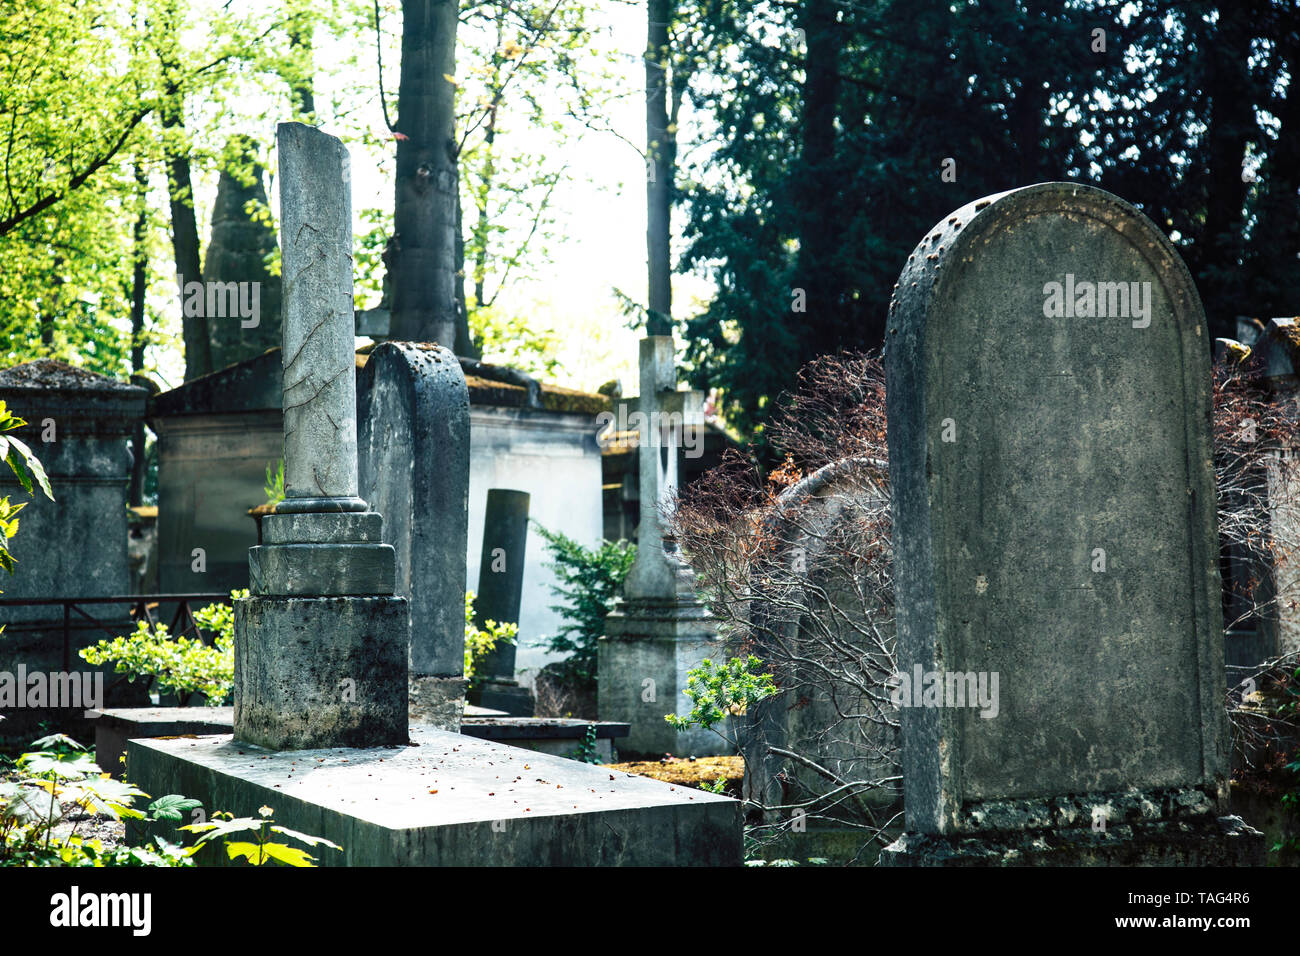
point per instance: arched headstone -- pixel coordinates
(1054, 537)
(414, 468)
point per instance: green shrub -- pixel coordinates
(480, 642)
(27, 469)
(61, 772)
(589, 581)
(177, 665)
(717, 692)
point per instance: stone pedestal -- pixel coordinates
(322, 672)
(649, 647)
(450, 801)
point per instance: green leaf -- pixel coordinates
(289, 854)
(33, 463)
(305, 838)
(215, 828)
(59, 766)
(250, 851)
(172, 807)
(56, 740)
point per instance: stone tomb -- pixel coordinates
(79, 425)
(1054, 524)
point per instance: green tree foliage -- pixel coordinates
(825, 126)
(589, 580)
(528, 73)
(89, 93)
(719, 691)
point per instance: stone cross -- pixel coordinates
(664, 413)
(659, 629)
(321, 644)
(1055, 549)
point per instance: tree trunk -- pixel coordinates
(300, 41)
(185, 230)
(422, 267)
(139, 285)
(661, 160)
(1231, 124)
(818, 232)
(464, 343)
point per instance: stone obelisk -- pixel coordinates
(321, 643)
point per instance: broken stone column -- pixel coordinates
(414, 434)
(500, 592)
(321, 643)
(659, 629)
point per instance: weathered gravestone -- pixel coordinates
(826, 746)
(1054, 536)
(321, 644)
(414, 435)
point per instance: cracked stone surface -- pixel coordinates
(320, 427)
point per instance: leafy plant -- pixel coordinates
(261, 850)
(30, 474)
(59, 774)
(177, 665)
(589, 581)
(274, 486)
(718, 692)
(480, 642)
(718, 786)
(586, 751)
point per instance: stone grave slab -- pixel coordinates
(450, 800)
